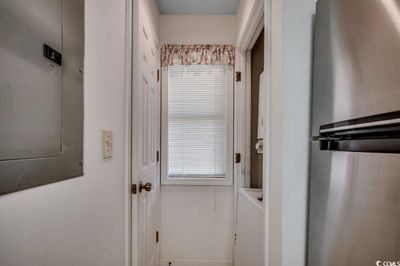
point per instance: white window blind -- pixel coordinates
(197, 121)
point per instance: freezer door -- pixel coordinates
(354, 208)
(356, 60)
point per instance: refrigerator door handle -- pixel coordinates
(365, 125)
(326, 139)
(381, 120)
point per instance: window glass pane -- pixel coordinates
(197, 117)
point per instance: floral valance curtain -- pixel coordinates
(174, 54)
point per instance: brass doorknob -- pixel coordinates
(146, 187)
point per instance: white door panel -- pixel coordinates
(147, 170)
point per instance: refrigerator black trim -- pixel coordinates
(375, 134)
(363, 120)
(362, 145)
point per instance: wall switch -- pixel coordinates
(107, 143)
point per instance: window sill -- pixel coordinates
(196, 181)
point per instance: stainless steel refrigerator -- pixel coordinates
(354, 211)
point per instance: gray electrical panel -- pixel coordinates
(41, 92)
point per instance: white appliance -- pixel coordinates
(249, 244)
(261, 103)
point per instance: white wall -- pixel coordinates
(198, 29)
(289, 44)
(80, 221)
(197, 225)
(197, 222)
(297, 68)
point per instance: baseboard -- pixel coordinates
(196, 263)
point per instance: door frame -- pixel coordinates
(263, 14)
(253, 26)
(128, 131)
(261, 10)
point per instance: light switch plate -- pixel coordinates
(107, 143)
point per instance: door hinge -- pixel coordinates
(238, 158)
(134, 189)
(235, 239)
(157, 236)
(158, 75)
(238, 76)
(158, 156)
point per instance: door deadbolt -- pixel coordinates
(146, 187)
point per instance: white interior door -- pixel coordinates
(146, 172)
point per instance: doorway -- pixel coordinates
(196, 221)
(257, 68)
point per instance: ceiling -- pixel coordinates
(203, 7)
